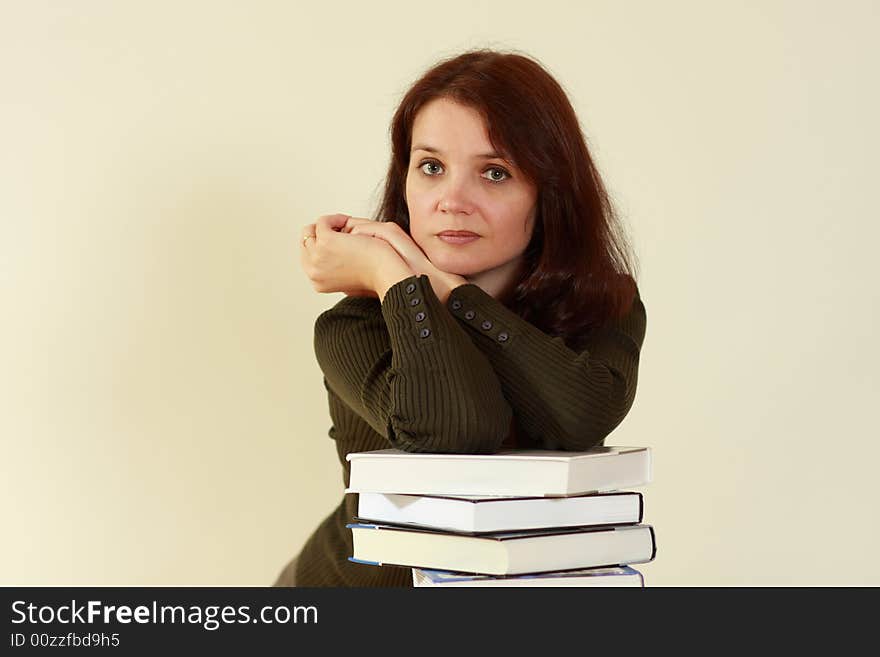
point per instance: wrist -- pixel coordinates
(388, 277)
(444, 284)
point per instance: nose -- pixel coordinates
(455, 198)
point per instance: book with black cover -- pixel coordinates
(481, 514)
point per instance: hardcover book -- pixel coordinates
(481, 514)
(622, 576)
(504, 553)
(509, 473)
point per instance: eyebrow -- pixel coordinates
(431, 149)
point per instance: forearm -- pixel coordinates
(411, 372)
(562, 399)
(445, 394)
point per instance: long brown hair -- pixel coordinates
(578, 268)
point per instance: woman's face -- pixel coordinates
(471, 211)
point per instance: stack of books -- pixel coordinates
(514, 518)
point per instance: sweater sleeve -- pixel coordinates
(561, 399)
(411, 371)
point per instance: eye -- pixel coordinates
(496, 174)
(429, 163)
(497, 170)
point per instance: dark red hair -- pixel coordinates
(577, 270)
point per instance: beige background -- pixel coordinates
(161, 413)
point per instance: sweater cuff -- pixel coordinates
(483, 315)
(411, 307)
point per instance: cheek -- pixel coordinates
(526, 227)
(529, 228)
(514, 237)
(514, 220)
(418, 206)
(420, 229)
(417, 199)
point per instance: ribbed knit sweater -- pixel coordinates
(467, 376)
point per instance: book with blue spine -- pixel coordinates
(616, 576)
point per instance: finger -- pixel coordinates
(307, 235)
(364, 229)
(330, 223)
(389, 232)
(386, 229)
(356, 221)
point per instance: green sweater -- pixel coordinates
(467, 376)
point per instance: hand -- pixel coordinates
(388, 231)
(356, 265)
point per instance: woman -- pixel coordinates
(491, 305)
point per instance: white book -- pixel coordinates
(509, 473)
(480, 514)
(504, 553)
(618, 576)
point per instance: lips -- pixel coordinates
(457, 236)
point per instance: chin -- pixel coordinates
(455, 265)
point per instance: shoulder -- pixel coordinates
(626, 326)
(631, 318)
(629, 307)
(637, 312)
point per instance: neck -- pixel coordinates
(498, 282)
